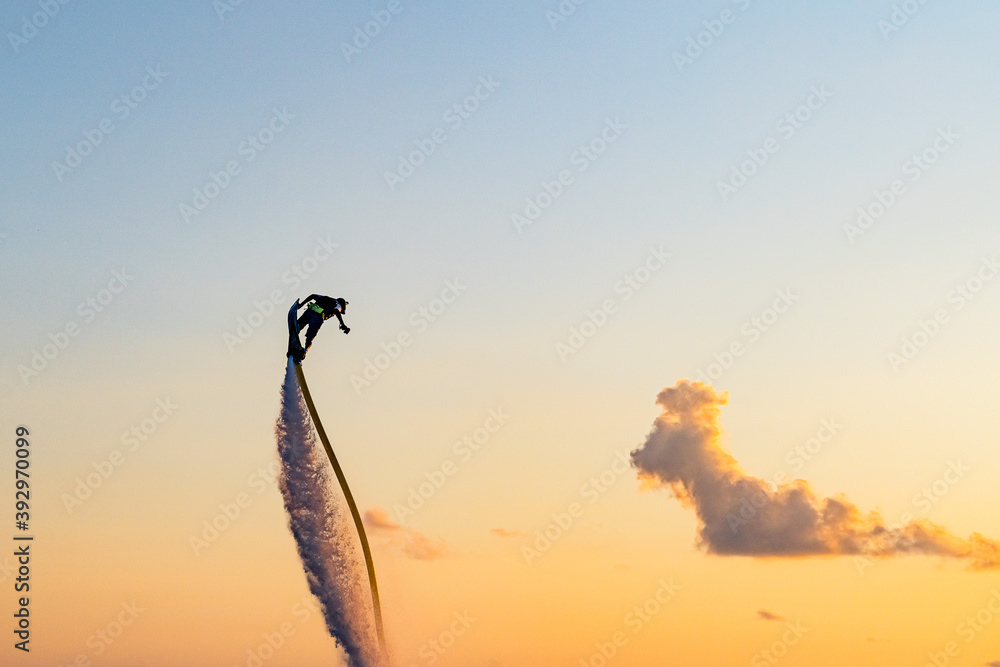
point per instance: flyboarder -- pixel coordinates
(319, 308)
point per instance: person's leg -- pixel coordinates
(315, 321)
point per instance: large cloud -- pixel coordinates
(744, 515)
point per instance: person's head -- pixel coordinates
(343, 304)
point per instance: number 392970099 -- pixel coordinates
(22, 495)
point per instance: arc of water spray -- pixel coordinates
(369, 563)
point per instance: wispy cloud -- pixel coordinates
(412, 543)
(765, 615)
(503, 532)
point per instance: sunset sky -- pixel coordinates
(542, 214)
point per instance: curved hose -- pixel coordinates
(376, 606)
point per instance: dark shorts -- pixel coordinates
(313, 321)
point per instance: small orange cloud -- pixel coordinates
(765, 615)
(378, 519)
(503, 532)
(422, 547)
(410, 542)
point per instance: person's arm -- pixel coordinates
(311, 297)
(343, 327)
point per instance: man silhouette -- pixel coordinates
(319, 309)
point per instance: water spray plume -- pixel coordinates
(323, 535)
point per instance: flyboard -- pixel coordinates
(296, 352)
